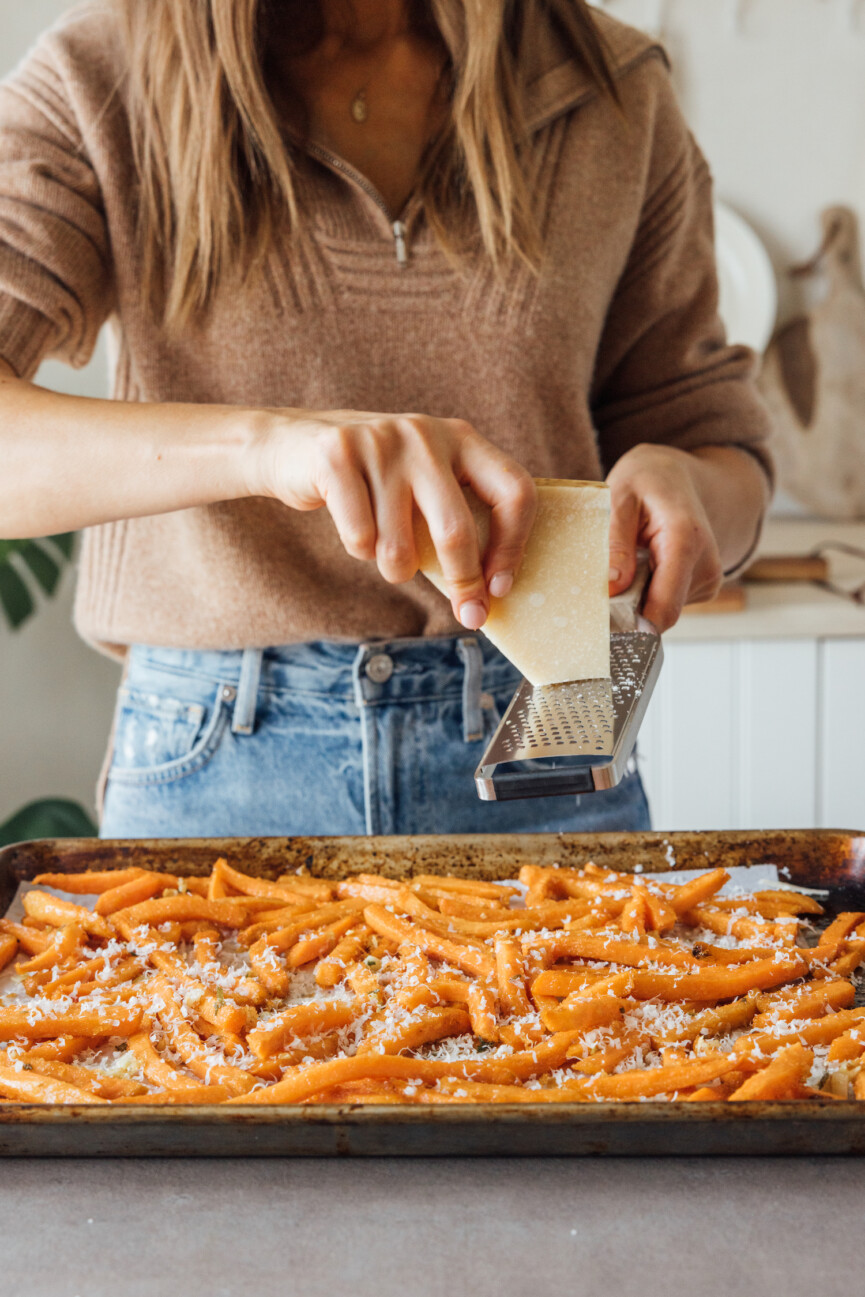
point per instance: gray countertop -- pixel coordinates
(628, 1228)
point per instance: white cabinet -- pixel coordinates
(757, 734)
(758, 719)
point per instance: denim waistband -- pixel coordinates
(379, 671)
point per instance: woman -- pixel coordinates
(355, 254)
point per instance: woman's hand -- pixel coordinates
(371, 470)
(659, 502)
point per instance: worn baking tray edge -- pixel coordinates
(832, 858)
(513, 1130)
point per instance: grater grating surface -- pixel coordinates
(579, 719)
(578, 737)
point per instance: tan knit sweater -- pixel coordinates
(616, 342)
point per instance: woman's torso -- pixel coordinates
(335, 321)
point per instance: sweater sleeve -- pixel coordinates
(665, 373)
(55, 266)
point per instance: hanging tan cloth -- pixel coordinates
(813, 380)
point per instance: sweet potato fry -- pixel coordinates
(85, 1078)
(156, 1068)
(91, 882)
(511, 976)
(817, 1031)
(315, 889)
(780, 1079)
(420, 1028)
(8, 949)
(727, 924)
(470, 960)
(247, 886)
(645, 1084)
(311, 1019)
(722, 983)
(180, 909)
(691, 894)
(845, 964)
(317, 944)
(610, 949)
(467, 886)
(580, 1013)
(33, 1087)
(51, 910)
(849, 1046)
(79, 1020)
(833, 938)
(29, 939)
(62, 1048)
(464, 906)
(132, 892)
(481, 1004)
(719, 1021)
(331, 970)
(64, 945)
(811, 1003)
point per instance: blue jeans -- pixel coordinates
(325, 738)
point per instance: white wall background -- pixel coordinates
(56, 695)
(775, 90)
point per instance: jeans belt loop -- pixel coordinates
(243, 719)
(473, 663)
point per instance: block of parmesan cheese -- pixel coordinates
(555, 624)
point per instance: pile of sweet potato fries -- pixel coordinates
(569, 986)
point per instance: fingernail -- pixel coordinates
(501, 584)
(473, 615)
(615, 575)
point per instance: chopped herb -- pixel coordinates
(28, 1067)
(373, 963)
(220, 996)
(481, 1045)
(122, 1046)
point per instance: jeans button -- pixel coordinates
(379, 668)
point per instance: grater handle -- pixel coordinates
(625, 607)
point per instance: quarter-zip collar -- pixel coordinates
(557, 83)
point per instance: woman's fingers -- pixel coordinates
(346, 497)
(370, 471)
(625, 517)
(513, 499)
(455, 537)
(395, 551)
(678, 551)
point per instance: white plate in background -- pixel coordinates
(749, 292)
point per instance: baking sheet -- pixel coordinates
(831, 861)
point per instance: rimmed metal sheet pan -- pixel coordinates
(831, 859)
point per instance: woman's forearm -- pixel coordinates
(734, 491)
(71, 462)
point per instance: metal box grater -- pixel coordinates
(578, 737)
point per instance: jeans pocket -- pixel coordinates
(159, 739)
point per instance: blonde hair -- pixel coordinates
(216, 176)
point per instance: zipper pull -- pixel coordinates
(399, 236)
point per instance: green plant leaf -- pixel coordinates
(64, 542)
(15, 599)
(44, 560)
(45, 569)
(53, 817)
